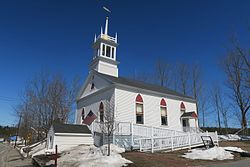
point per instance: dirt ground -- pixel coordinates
(174, 159)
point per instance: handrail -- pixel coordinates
(149, 138)
(173, 142)
(240, 130)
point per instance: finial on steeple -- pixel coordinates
(106, 25)
(101, 31)
(95, 38)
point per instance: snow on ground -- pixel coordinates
(35, 149)
(39, 149)
(245, 137)
(237, 149)
(231, 137)
(90, 156)
(215, 153)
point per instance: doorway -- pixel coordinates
(185, 125)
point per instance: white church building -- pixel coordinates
(147, 116)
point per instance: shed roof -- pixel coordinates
(71, 128)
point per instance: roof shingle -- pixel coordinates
(71, 128)
(143, 85)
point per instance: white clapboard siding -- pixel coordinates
(71, 140)
(107, 68)
(92, 103)
(99, 83)
(125, 109)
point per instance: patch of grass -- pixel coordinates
(174, 159)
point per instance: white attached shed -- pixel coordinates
(68, 135)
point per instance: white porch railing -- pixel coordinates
(138, 130)
(174, 142)
(148, 138)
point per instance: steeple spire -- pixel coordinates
(106, 25)
(95, 38)
(116, 37)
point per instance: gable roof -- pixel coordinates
(142, 85)
(71, 128)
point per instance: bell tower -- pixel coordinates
(104, 58)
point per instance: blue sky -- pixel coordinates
(56, 36)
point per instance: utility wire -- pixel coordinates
(5, 98)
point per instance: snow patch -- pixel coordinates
(39, 149)
(89, 155)
(35, 149)
(215, 153)
(237, 149)
(232, 137)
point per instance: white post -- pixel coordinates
(106, 26)
(217, 138)
(172, 143)
(207, 133)
(152, 139)
(140, 144)
(132, 134)
(160, 143)
(92, 128)
(114, 139)
(189, 140)
(101, 50)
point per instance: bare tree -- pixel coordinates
(196, 81)
(162, 73)
(183, 77)
(233, 66)
(196, 87)
(108, 125)
(245, 55)
(142, 77)
(216, 98)
(202, 107)
(46, 99)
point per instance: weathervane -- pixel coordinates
(106, 25)
(106, 9)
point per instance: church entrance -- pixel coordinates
(185, 125)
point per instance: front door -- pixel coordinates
(185, 124)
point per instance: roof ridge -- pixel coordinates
(145, 84)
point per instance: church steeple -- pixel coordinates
(104, 58)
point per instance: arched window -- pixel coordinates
(164, 117)
(92, 86)
(101, 110)
(139, 109)
(182, 107)
(83, 115)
